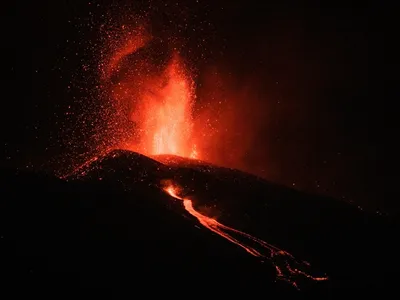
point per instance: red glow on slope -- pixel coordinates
(287, 267)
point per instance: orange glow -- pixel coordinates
(157, 106)
(289, 270)
(158, 97)
(166, 116)
(173, 191)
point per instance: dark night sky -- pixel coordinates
(310, 61)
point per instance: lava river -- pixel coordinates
(287, 267)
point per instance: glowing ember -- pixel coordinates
(133, 41)
(287, 267)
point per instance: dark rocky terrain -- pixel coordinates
(110, 226)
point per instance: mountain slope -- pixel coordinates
(111, 225)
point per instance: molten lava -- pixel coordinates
(159, 98)
(287, 267)
(166, 119)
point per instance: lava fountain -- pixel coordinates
(157, 96)
(166, 115)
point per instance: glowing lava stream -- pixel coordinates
(288, 270)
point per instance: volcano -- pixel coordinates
(129, 222)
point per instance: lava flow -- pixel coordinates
(287, 267)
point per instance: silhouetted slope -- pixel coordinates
(113, 227)
(73, 235)
(351, 245)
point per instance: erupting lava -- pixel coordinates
(167, 115)
(159, 97)
(287, 267)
